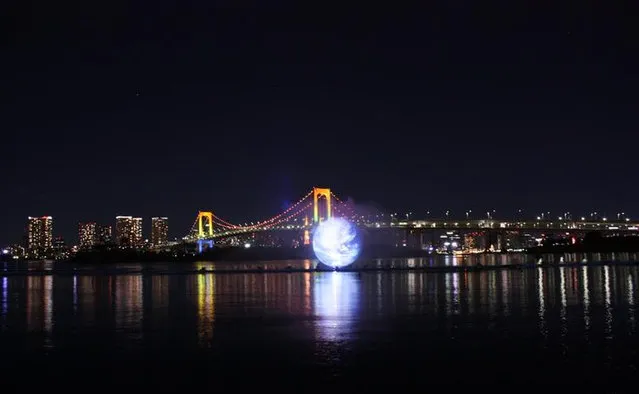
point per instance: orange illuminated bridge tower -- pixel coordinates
(204, 225)
(317, 194)
(204, 230)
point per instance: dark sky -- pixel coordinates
(164, 109)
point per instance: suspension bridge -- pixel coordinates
(321, 203)
(317, 205)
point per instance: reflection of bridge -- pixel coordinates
(320, 203)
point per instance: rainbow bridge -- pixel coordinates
(317, 205)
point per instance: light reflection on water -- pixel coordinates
(541, 294)
(630, 292)
(333, 310)
(564, 302)
(335, 304)
(5, 296)
(206, 308)
(128, 307)
(607, 303)
(586, 299)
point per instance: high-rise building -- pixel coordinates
(87, 235)
(103, 235)
(123, 230)
(39, 235)
(136, 233)
(159, 231)
(128, 231)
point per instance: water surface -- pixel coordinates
(307, 331)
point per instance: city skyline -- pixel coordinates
(433, 110)
(88, 233)
(146, 233)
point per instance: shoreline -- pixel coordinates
(289, 270)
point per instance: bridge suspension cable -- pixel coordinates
(291, 212)
(269, 225)
(266, 221)
(341, 207)
(287, 214)
(224, 223)
(290, 216)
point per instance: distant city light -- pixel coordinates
(5, 251)
(247, 245)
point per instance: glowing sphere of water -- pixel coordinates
(336, 242)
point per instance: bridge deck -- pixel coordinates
(470, 225)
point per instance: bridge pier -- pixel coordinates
(489, 240)
(502, 245)
(201, 243)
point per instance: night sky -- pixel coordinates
(162, 109)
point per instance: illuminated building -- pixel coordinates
(470, 242)
(40, 236)
(159, 231)
(128, 231)
(123, 229)
(451, 241)
(60, 249)
(87, 235)
(136, 232)
(103, 235)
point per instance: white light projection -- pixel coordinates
(336, 242)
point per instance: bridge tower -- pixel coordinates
(317, 193)
(202, 234)
(201, 231)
